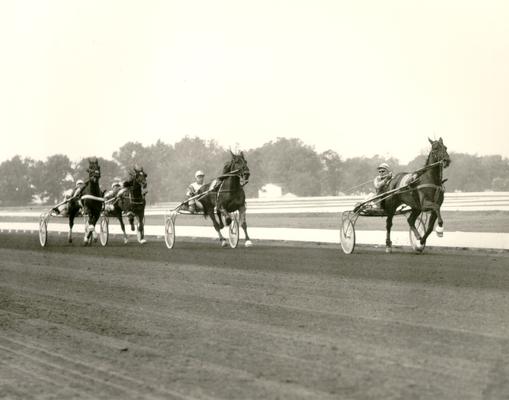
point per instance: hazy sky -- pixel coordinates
(359, 77)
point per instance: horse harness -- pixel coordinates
(439, 189)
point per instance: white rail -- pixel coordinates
(478, 201)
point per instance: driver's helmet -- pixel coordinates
(115, 184)
(383, 167)
(80, 182)
(199, 173)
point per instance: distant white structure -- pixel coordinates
(270, 190)
(273, 190)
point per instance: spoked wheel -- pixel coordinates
(347, 234)
(169, 232)
(420, 224)
(43, 231)
(233, 230)
(103, 229)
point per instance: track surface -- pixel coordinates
(265, 322)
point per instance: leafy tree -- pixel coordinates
(289, 163)
(331, 179)
(160, 162)
(130, 154)
(189, 155)
(15, 185)
(50, 177)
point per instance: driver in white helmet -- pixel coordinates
(69, 194)
(110, 194)
(192, 190)
(115, 187)
(380, 183)
(382, 179)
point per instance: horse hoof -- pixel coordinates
(419, 248)
(223, 243)
(249, 243)
(388, 250)
(143, 241)
(125, 241)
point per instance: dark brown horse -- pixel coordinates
(89, 201)
(226, 195)
(131, 201)
(422, 191)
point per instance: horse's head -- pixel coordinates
(238, 166)
(94, 170)
(439, 152)
(139, 177)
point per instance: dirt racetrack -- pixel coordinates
(268, 322)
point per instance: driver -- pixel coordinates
(382, 179)
(192, 190)
(68, 195)
(115, 188)
(112, 193)
(381, 183)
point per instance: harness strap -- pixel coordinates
(218, 191)
(430, 185)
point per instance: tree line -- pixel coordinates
(287, 162)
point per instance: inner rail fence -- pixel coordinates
(473, 201)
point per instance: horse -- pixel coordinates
(226, 195)
(132, 201)
(89, 200)
(422, 191)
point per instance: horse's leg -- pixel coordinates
(219, 218)
(90, 229)
(440, 224)
(243, 223)
(72, 215)
(122, 225)
(429, 228)
(131, 220)
(141, 227)
(411, 222)
(388, 226)
(217, 227)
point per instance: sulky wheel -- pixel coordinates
(43, 231)
(169, 232)
(103, 229)
(347, 235)
(233, 230)
(420, 224)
